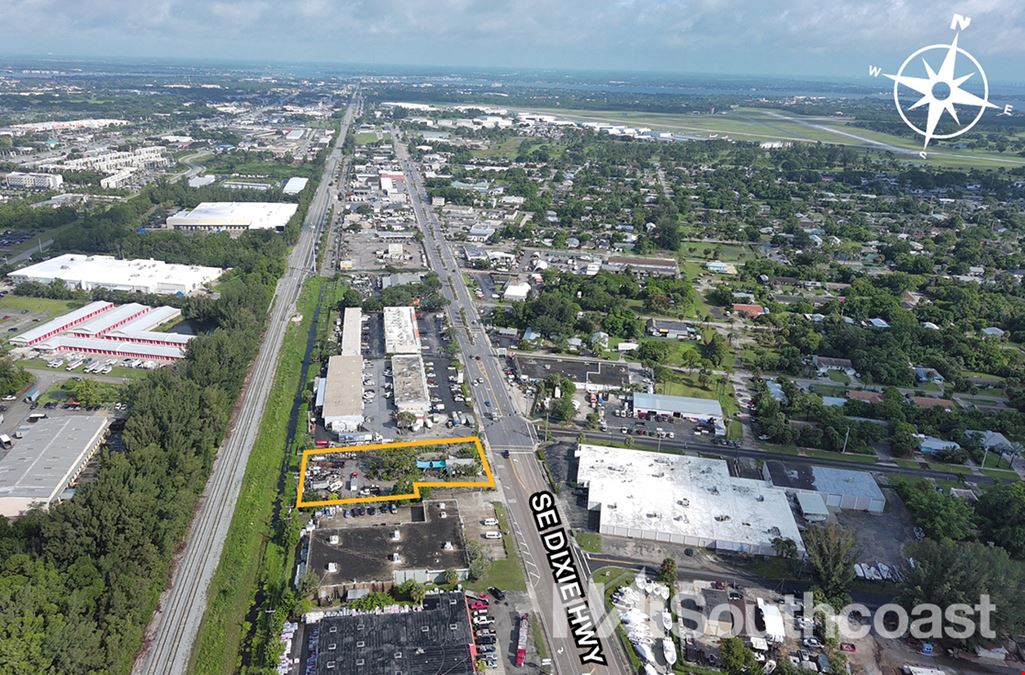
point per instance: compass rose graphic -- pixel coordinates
(945, 91)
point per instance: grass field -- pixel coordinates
(589, 541)
(251, 553)
(757, 124)
(368, 137)
(506, 574)
(11, 304)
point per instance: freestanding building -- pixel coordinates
(343, 393)
(401, 335)
(233, 217)
(47, 461)
(838, 488)
(102, 271)
(681, 499)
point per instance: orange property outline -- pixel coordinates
(415, 494)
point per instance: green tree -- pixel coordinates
(1001, 511)
(667, 572)
(939, 514)
(451, 577)
(903, 441)
(831, 550)
(736, 658)
(949, 572)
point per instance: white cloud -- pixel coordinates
(631, 33)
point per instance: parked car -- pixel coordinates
(498, 593)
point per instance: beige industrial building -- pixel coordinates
(342, 408)
(410, 386)
(47, 460)
(352, 330)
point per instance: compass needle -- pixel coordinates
(941, 90)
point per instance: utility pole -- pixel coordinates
(845, 437)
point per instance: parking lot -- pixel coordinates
(378, 406)
(9, 239)
(619, 421)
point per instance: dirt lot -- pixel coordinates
(880, 536)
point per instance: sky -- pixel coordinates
(783, 38)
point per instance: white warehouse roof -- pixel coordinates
(101, 271)
(682, 405)
(343, 393)
(49, 457)
(352, 331)
(151, 319)
(683, 499)
(234, 216)
(401, 335)
(110, 319)
(295, 185)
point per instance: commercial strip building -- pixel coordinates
(684, 500)
(838, 488)
(433, 639)
(643, 266)
(233, 217)
(34, 181)
(47, 460)
(401, 335)
(87, 272)
(590, 375)
(346, 557)
(410, 386)
(352, 330)
(686, 407)
(342, 407)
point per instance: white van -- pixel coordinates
(491, 522)
(491, 534)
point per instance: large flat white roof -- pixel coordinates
(234, 215)
(684, 499)
(51, 454)
(295, 185)
(401, 335)
(102, 323)
(352, 331)
(343, 391)
(151, 319)
(102, 271)
(682, 405)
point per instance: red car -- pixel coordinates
(478, 604)
(847, 647)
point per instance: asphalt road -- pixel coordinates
(173, 629)
(519, 475)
